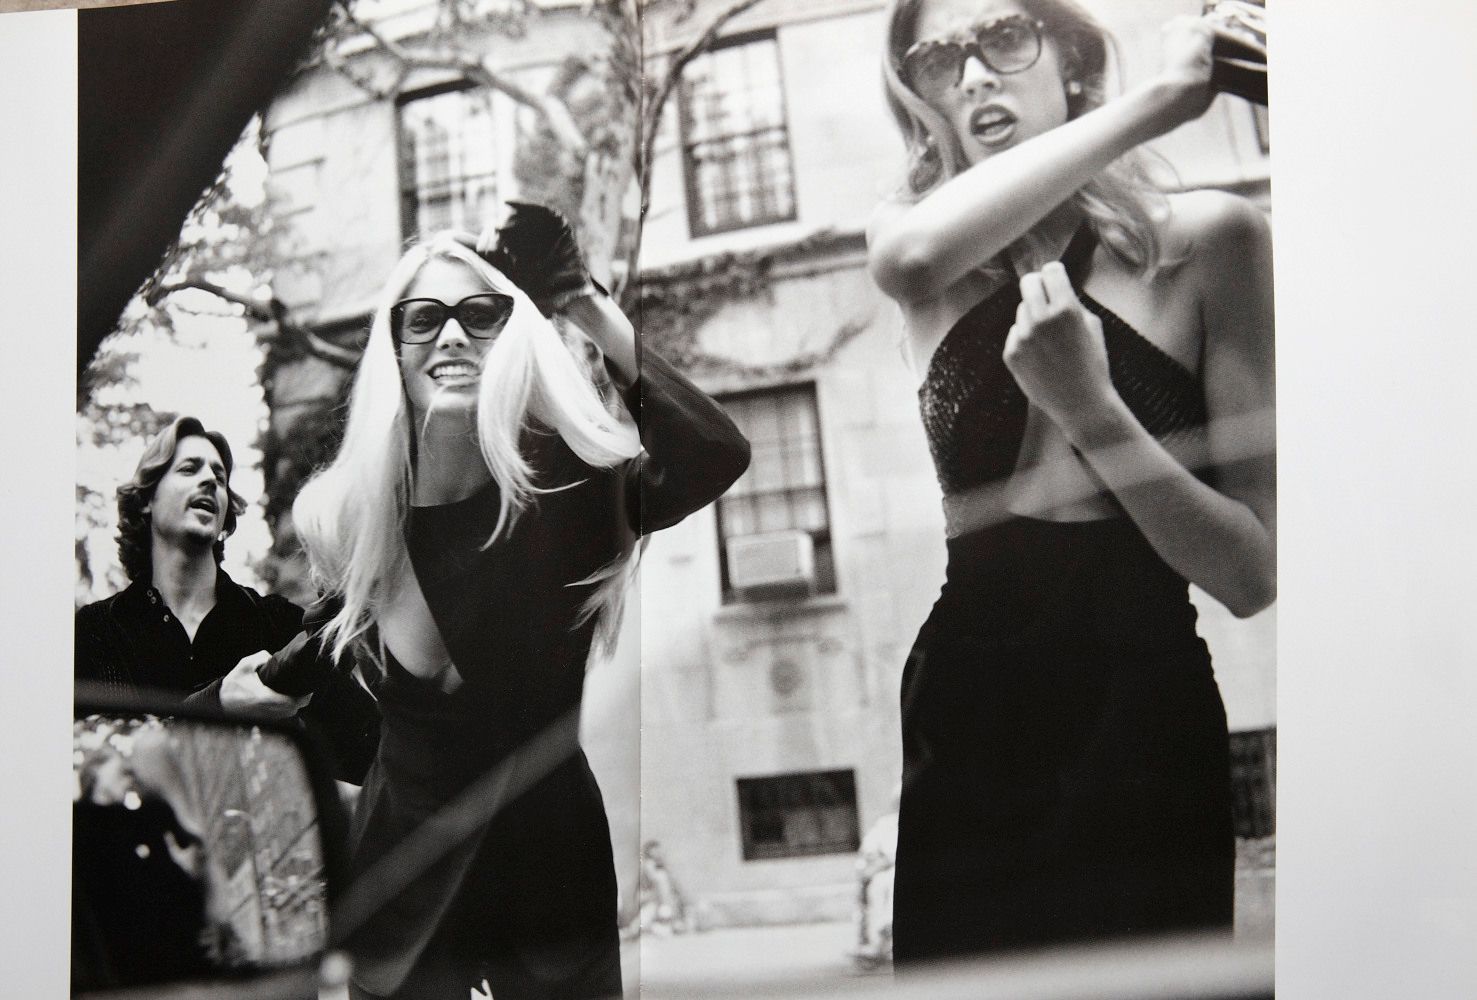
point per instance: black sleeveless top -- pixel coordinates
(1065, 769)
(974, 413)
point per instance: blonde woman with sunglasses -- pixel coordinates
(475, 536)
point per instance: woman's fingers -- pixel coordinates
(1187, 43)
(1058, 285)
(1033, 296)
(483, 243)
(1047, 291)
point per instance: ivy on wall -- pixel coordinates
(670, 306)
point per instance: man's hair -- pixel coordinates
(136, 525)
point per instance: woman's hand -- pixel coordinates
(1056, 350)
(1214, 526)
(536, 248)
(600, 319)
(1186, 68)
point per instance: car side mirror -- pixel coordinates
(206, 850)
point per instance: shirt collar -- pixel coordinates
(142, 593)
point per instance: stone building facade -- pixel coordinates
(772, 627)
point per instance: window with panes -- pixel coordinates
(448, 160)
(735, 137)
(784, 488)
(798, 815)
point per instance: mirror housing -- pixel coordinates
(207, 852)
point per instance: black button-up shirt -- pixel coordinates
(133, 642)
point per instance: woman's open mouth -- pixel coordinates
(451, 373)
(992, 125)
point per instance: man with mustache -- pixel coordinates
(183, 627)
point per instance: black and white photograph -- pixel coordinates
(720, 498)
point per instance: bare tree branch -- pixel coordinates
(476, 69)
(255, 309)
(553, 110)
(343, 68)
(273, 312)
(652, 113)
(385, 42)
(673, 76)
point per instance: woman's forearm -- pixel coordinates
(977, 214)
(608, 328)
(1215, 541)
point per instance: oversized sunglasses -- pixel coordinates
(419, 321)
(1006, 45)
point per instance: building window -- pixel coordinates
(448, 161)
(784, 488)
(798, 815)
(1262, 126)
(735, 142)
(1254, 782)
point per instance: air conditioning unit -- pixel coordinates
(773, 564)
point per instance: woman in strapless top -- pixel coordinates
(474, 537)
(1097, 393)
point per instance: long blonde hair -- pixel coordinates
(351, 515)
(1118, 203)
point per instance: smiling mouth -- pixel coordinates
(992, 125)
(453, 372)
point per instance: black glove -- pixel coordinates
(537, 250)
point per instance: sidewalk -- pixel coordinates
(676, 967)
(669, 967)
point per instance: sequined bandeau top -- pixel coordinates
(974, 413)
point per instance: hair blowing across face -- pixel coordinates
(135, 525)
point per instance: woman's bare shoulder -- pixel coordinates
(1228, 270)
(1211, 228)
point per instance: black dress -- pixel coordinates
(1066, 767)
(480, 839)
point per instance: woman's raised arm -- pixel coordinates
(918, 251)
(693, 451)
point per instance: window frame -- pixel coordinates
(730, 595)
(1261, 124)
(406, 179)
(1254, 782)
(752, 849)
(686, 121)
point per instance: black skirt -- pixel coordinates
(1066, 764)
